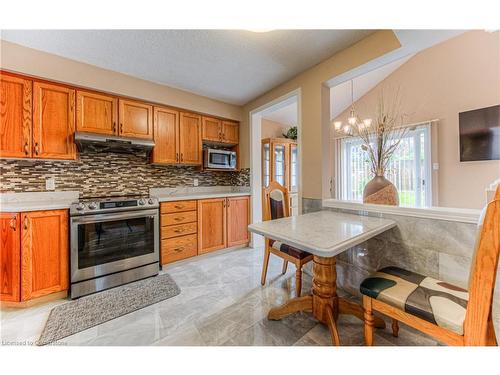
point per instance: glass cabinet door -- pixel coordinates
(266, 164)
(279, 167)
(293, 168)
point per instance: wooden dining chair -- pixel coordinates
(448, 313)
(276, 205)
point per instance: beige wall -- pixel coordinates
(460, 74)
(315, 109)
(272, 129)
(33, 62)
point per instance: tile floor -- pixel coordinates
(221, 303)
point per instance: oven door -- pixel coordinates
(106, 243)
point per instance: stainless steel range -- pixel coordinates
(113, 241)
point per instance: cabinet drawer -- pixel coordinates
(178, 248)
(178, 206)
(178, 230)
(178, 218)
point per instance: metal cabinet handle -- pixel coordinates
(13, 223)
(182, 156)
(179, 249)
(114, 126)
(178, 218)
(26, 222)
(36, 148)
(178, 206)
(121, 128)
(26, 148)
(178, 231)
(177, 157)
(228, 202)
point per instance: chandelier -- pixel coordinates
(354, 124)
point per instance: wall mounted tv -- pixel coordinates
(480, 134)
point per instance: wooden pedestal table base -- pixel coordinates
(324, 303)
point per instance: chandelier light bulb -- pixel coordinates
(351, 120)
(337, 125)
(347, 129)
(367, 122)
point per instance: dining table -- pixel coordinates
(325, 234)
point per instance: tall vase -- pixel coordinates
(380, 190)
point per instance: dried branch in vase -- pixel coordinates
(382, 138)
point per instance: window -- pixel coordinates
(409, 169)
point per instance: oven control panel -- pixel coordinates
(103, 205)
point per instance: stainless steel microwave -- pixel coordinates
(219, 159)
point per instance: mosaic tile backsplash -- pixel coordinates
(110, 174)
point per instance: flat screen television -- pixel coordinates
(480, 134)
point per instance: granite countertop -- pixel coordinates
(323, 233)
(180, 194)
(37, 201)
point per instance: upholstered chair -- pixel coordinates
(450, 314)
(276, 205)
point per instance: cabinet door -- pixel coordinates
(230, 132)
(96, 113)
(15, 117)
(53, 121)
(190, 147)
(10, 251)
(211, 225)
(279, 155)
(166, 129)
(266, 164)
(293, 168)
(238, 217)
(211, 129)
(44, 253)
(136, 119)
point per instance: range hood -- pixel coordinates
(112, 143)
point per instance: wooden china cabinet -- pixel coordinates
(280, 164)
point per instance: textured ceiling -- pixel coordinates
(234, 66)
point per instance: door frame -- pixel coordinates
(255, 121)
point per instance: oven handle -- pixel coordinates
(97, 218)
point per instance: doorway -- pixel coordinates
(273, 156)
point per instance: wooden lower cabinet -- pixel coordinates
(179, 239)
(178, 248)
(34, 254)
(196, 227)
(211, 225)
(10, 256)
(44, 253)
(238, 219)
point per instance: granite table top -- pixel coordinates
(323, 233)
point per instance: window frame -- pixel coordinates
(340, 171)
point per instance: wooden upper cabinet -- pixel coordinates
(53, 121)
(166, 136)
(230, 132)
(211, 225)
(136, 119)
(211, 129)
(96, 113)
(10, 251)
(44, 253)
(190, 145)
(238, 219)
(16, 99)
